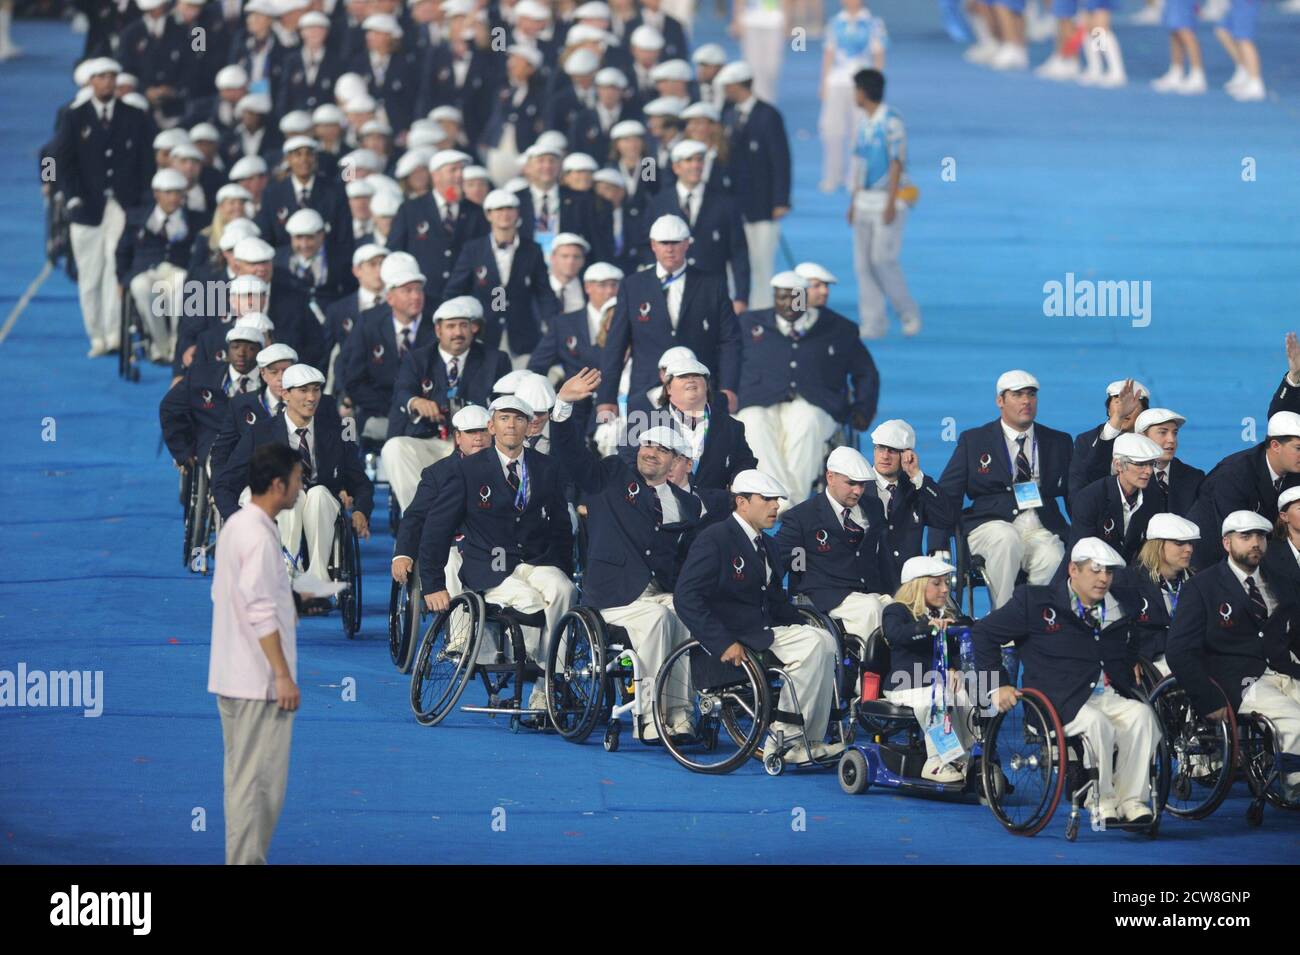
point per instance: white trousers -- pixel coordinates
(312, 515)
(860, 613)
(876, 247)
(789, 440)
(839, 118)
(1278, 697)
(1129, 730)
(404, 459)
(655, 631)
(158, 295)
(503, 158)
(763, 239)
(256, 736)
(763, 37)
(1009, 548)
(919, 698)
(94, 247)
(531, 588)
(807, 654)
(681, 10)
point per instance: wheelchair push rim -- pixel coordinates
(1201, 754)
(575, 675)
(1027, 745)
(445, 663)
(403, 623)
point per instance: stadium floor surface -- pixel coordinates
(1050, 180)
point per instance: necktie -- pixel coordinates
(304, 452)
(892, 504)
(544, 221)
(1090, 617)
(686, 209)
(243, 384)
(1256, 598)
(852, 530)
(1277, 485)
(449, 218)
(105, 118)
(762, 553)
(512, 478)
(658, 506)
(1023, 470)
(302, 198)
(1131, 500)
(1163, 481)
(453, 372)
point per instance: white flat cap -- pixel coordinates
(295, 376)
(412, 160)
(327, 115)
(1283, 501)
(1171, 527)
(581, 62)
(454, 308)
(447, 114)
(359, 189)
(529, 54)
(360, 103)
(670, 229)
(537, 393)
(664, 437)
(295, 122)
(429, 139)
(1136, 447)
(254, 102)
(366, 252)
(592, 10)
(709, 54)
(627, 127)
(243, 331)
(247, 167)
(1284, 424)
(788, 280)
(571, 238)
(674, 355)
(500, 199)
(602, 272)
(1096, 549)
(171, 138)
(647, 38)
(130, 99)
(457, 8)
(373, 127)
(278, 352)
(1015, 380)
(737, 71)
(578, 162)
(235, 230)
(187, 150)
(348, 86)
(382, 23)
(703, 111)
(850, 462)
(253, 249)
(305, 222)
(363, 159)
(611, 76)
(916, 567)
(687, 149)
(894, 433)
(1154, 416)
(403, 276)
(687, 366)
(666, 106)
(671, 71)
(313, 18)
(532, 10)
(232, 190)
(169, 180)
(1139, 389)
(259, 320)
(511, 403)
(586, 33)
(471, 418)
(204, 133)
(611, 177)
(396, 263)
(507, 383)
(147, 5)
(539, 148)
(248, 285)
(754, 481)
(1243, 522)
(474, 172)
(105, 64)
(554, 139)
(266, 7)
(295, 143)
(233, 77)
(814, 272)
(448, 157)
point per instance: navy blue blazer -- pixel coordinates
(1151, 622)
(567, 343)
(1098, 511)
(828, 366)
(1090, 459)
(423, 375)
(760, 160)
(706, 324)
(628, 238)
(916, 511)
(244, 411)
(823, 565)
(432, 480)
(337, 463)
(418, 229)
(371, 362)
(193, 410)
(980, 469)
(160, 62)
(1240, 482)
(912, 648)
(474, 98)
(93, 163)
(498, 538)
(577, 214)
(327, 197)
(1184, 487)
(627, 545)
(1286, 398)
(1060, 654)
(140, 249)
(1279, 562)
(294, 92)
(675, 45)
(335, 282)
(529, 303)
(528, 117)
(717, 237)
(1216, 635)
(723, 595)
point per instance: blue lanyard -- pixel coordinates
(521, 496)
(664, 283)
(1082, 611)
(941, 680)
(1173, 592)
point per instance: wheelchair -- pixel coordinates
(133, 348)
(370, 458)
(1265, 764)
(472, 637)
(1028, 746)
(970, 572)
(202, 520)
(591, 674)
(405, 614)
(742, 700)
(344, 566)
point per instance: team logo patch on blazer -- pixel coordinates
(1049, 619)
(1225, 614)
(738, 567)
(986, 460)
(643, 312)
(823, 540)
(220, 356)
(282, 213)
(207, 398)
(571, 343)
(756, 332)
(347, 325)
(427, 385)
(422, 230)
(1143, 617)
(633, 490)
(484, 496)
(377, 353)
(481, 273)
(1108, 527)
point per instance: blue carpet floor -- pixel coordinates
(1108, 185)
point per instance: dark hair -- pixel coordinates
(271, 461)
(871, 83)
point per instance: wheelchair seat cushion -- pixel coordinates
(884, 710)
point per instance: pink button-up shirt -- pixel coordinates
(251, 599)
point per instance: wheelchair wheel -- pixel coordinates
(196, 522)
(347, 569)
(1265, 766)
(445, 663)
(404, 603)
(854, 774)
(187, 510)
(1148, 676)
(719, 695)
(1027, 743)
(124, 338)
(575, 674)
(1201, 753)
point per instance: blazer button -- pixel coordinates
(108, 152)
(1015, 511)
(895, 553)
(1092, 685)
(762, 588)
(1097, 638)
(647, 553)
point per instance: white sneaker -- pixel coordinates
(1091, 76)
(97, 348)
(1135, 810)
(939, 772)
(825, 751)
(1239, 77)
(1010, 57)
(1112, 80)
(1170, 81)
(1212, 10)
(1148, 16)
(1050, 68)
(1251, 91)
(1193, 84)
(537, 699)
(980, 53)
(911, 324)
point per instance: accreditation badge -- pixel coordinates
(946, 744)
(1027, 495)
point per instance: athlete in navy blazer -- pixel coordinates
(1098, 511)
(424, 375)
(529, 302)
(372, 362)
(418, 228)
(824, 565)
(717, 234)
(1242, 481)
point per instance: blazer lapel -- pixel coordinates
(692, 280)
(998, 451)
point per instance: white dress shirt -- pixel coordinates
(233, 379)
(855, 512)
(311, 439)
(414, 327)
(569, 294)
(505, 258)
(673, 294)
(696, 435)
(174, 224)
(552, 198)
(801, 324)
(1124, 506)
(1269, 600)
(1013, 448)
(507, 461)
(750, 533)
(668, 502)
(690, 200)
(595, 319)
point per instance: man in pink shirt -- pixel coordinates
(254, 661)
